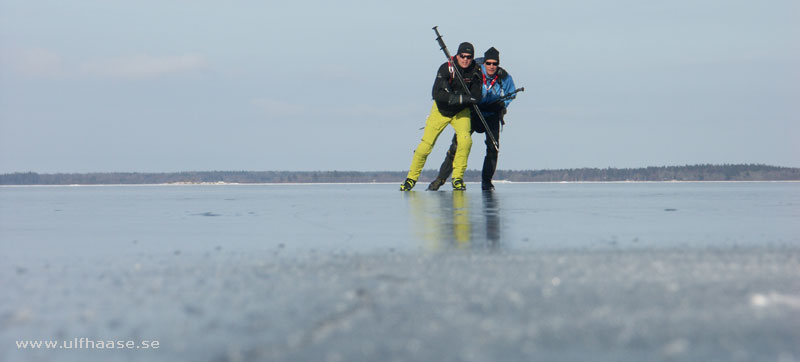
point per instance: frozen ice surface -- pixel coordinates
(540, 272)
(610, 305)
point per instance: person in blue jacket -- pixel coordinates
(496, 83)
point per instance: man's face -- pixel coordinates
(464, 59)
(491, 66)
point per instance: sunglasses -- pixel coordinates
(462, 56)
(494, 64)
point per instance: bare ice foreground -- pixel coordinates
(532, 272)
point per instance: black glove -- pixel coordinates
(460, 99)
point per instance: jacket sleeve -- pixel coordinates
(508, 87)
(441, 85)
(476, 86)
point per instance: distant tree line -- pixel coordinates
(743, 172)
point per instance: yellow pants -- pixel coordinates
(435, 124)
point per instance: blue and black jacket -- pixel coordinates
(494, 88)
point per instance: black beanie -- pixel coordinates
(466, 47)
(492, 53)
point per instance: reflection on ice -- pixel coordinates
(454, 220)
(491, 210)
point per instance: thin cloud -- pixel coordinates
(34, 62)
(278, 108)
(145, 66)
(368, 111)
(45, 63)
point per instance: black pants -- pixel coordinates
(489, 161)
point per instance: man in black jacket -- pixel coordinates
(452, 105)
(496, 82)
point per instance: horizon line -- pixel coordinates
(430, 169)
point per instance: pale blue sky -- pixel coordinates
(104, 85)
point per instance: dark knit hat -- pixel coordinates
(492, 53)
(466, 47)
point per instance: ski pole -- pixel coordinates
(510, 95)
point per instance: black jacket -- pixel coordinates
(446, 84)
